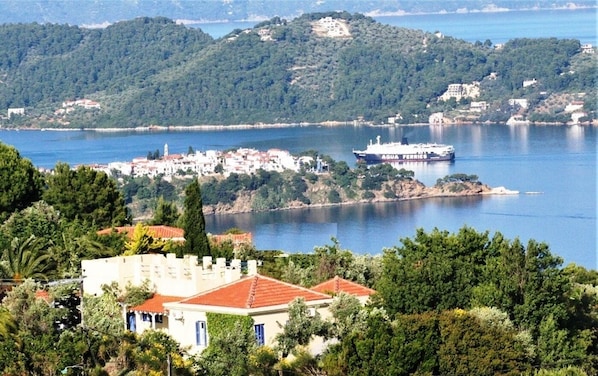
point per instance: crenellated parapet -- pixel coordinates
(167, 274)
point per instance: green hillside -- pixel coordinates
(151, 71)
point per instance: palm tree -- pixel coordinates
(70, 249)
(26, 259)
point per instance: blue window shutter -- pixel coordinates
(200, 333)
(132, 323)
(197, 332)
(259, 334)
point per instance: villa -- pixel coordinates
(187, 292)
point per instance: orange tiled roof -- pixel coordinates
(42, 294)
(337, 285)
(175, 233)
(245, 237)
(155, 303)
(255, 292)
(162, 232)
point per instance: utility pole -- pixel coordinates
(168, 364)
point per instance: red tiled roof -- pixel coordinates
(42, 294)
(168, 232)
(337, 285)
(245, 237)
(255, 292)
(155, 303)
(161, 232)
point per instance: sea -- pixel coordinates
(553, 168)
(498, 27)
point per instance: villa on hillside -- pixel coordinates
(531, 82)
(15, 111)
(264, 299)
(186, 292)
(459, 91)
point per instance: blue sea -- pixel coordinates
(498, 27)
(553, 167)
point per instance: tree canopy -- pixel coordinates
(20, 182)
(86, 195)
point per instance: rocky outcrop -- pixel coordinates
(398, 190)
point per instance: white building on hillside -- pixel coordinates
(15, 111)
(459, 91)
(531, 82)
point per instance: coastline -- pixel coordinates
(487, 9)
(400, 13)
(473, 190)
(234, 127)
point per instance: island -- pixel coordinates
(247, 180)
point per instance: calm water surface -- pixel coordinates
(498, 27)
(555, 164)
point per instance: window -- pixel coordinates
(146, 317)
(259, 334)
(201, 333)
(131, 324)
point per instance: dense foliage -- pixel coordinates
(151, 71)
(20, 182)
(86, 195)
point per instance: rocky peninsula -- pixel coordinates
(318, 194)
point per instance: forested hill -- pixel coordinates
(152, 71)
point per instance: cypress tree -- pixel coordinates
(194, 224)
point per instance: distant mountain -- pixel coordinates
(101, 12)
(318, 67)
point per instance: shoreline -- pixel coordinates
(430, 192)
(235, 127)
(497, 191)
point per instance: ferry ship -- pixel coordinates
(404, 152)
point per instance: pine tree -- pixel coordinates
(20, 182)
(166, 213)
(194, 224)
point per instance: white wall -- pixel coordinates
(167, 275)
